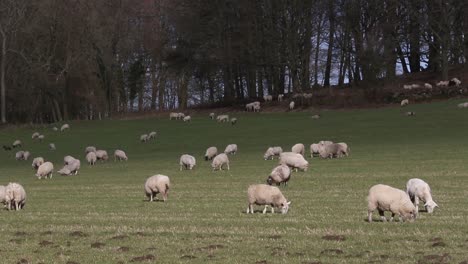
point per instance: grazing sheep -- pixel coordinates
(19, 155)
(152, 135)
(15, 196)
(41, 137)
(187, 161)
(157, 184)
(404, 102)
(463, 105)
(325, 142)
(407, 86)
(454, 82)
(180, 115)
(55, 129)
(233, 121)
(231, 149)
(35, 135)
(315, 116)
(222, 118)
(442, 84)
(428, 86)
(173, 115)
(346, 149)
(144, 138)
(291, 105)
(17, 143)
(52, 146)
(91, 158)
(280, 97)
(249, 107)
(120, 155)
(293, 160)
(268, 98)
(90, 149)
(38, 161)
(314, 150)
(298, 148)
(26, 155)
(71, 168)
(187, 118)
(212, 115)
(385, 198)
(2, 194)
(410, 113)
(45, 170)
(220, 160)
(64, 171)
(210, 153)
(262, 194)
(102, 155)
(280, 174)
(415, 86)
(271, 152)
(418, 189)
(68, 159)
(333, 150)
(65, 127)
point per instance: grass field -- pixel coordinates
(102, 216)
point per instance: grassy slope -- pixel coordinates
(205, 218)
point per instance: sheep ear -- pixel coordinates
(289, 202)
(435, 205)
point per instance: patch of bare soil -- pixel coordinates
(97, 245)
(331, 252)
(19, 233)
(119, 237)
(123, 249)
(22, 261)
(334, 238)
(435, 259)
(78, 234)
(143, 258)
(45, 243)
(188, 257)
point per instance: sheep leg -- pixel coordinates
(151, 197)
(416, 204)
(272, 210)
(228, 166)
(265, 209)
(382, 216)
(17, 206)
(251, 208)
(180, 167)
(369, 216)
(391, 218)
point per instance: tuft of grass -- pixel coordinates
(102, 215)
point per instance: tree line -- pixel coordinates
(89, 59)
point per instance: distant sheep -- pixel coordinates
(52, 146)
(454, 82)
(35, 135)
(212, 115)
(55, 129)
(268, 98)
(120, 155)
(407, 86)
(210, 153)
(333, 151)
(187, 161)
(291, 105)
(442, 84)
(102, 155)
(346, 149)
(157, 184)
(280, 97)
(41, 137)
(463, 105)
(71, 168)
(45, 170)
(91, 158)
(2, 194)
(271, 152)
(17, 143)
(173, 115)
(15, 196)
(385, 198)
(90, 149)
(314, 150)
(410, 113)
(427, 86)
(404, 102)
(152, 135)
(68, 159)
(293, 160)
(222, 118)
(307, 95)
(187, 118)
(256, 108)
(315, 116)
(280, 174)
(26, 155)
(38, 161)
(415, 86)
(231, 149)
(19, 155)
(233, 121)
(262, 194)
(418, 189)
(144, 138)
(219, 161)
(298, 148)
(180, 116)
(65, 127)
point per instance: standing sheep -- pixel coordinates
(280, 97)
(180, 116)
(37, 162)
(298, 148)
(17, 143)
(91, 158)
(262, 194)
(35, 135)
(90, 149)
(187, 119)
(332, 151)
(68, 159)
(314, 150)
(418, 189)
(120, 155)
(222, 118)
(271, 152)
(280, 174)
(210, 153)
(45, 170)
(71, 168)
(26, 155)
(233, 121)
(102, 155)
(65, 127)
(52, 146)
(15, 196)
(152, 135)
(268, 98)
(385, 198)
(219, 161)
(293, 160)
(346, 149)
(187, 161)
(404, 102)
(41, 137)
(144, 138)
(427, 86)
(19, 155)
(291, 105)
(212, 115)
(2, 194)
(231, 149)
(157, 184)
(173, 116)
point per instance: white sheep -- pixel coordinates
(314, 149)
(415, 86)
(231, 149)
(19, 155)
(55, 128)
(65, 127)
(41, 137)
(291, 105)
(333, 150)
(157, 184)
(144, 138)
(454, 82)
(233, 121)
(152, 135)
(71, 168)
(298, 148)
(2, 194)
(38, 161)
(91, 158)
(210, 153)
(102, 155)
(385, 198)
(90, 149)
(280, 97)
(418, 189)
(45, 170)
(315, 116)
(26, 155)
(52, 146)
(407, 86)
(271, 152)
(280, 174)
(212, 115)
(68, 159)
(120, 155)
(15, 196)
(325, 142)
(346, 149)
(249, 107)
(307, 95)
(180, 115)
(404, 102)
(268, 98)
(187, 161)
(428, 86)
(220, 160)
(256, 108)
(173, 115)
(463, 105)
(293, 160)
(17, 143)
(187, 118)
(222, 118)
(442, 84)
(262, 194)
(35, 135)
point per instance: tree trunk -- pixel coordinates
(2, 78)
(317, 50)
(331, 33)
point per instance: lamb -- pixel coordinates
(314, 150)
(298, 148)
(41, 137)
(152, 135)
(144, 138)
(212, 115)
(293, 160)
(280, 174)
(404, 102)
(52, 146)
(68, 159)
(15, 196)
(38, 161)
(210, 153)
(268, 98)
(45, 170)
(91, 158)
(120, 155)
(35, 135)
(90, 149)
(65, 127)
(17, 143)
(157, 184)
(332, 151)
(71, 168)
(173, 115)
(271, 152)
(187, 118)
(418, 189)
(219, 161)
(454, 82)
(463, 105)
(385, 198)
(291, 105)
(427, 86)
(187, 161)
(280, 97)
(102, 155)
(233, 121)
(262, 194)
(222, 118)
(19, 155)
(231, 149)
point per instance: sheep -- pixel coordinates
(428, 86)
(315, 116)
(325, 142)
(231, 149)
(256, 108)
(120, 155)
(220, 160)
(41, 137)
(52, 146)
(407, 86)
(271, 152)
(415, 86)
(71, 168)
(262, 194)
(19, 155)
(173, 115)
(454, 82)
(333, 150)
(90, 149)
(180, 115)
(442, 84)
(314, 149)
(233, 121)
(38, 161)
(45, 170)
(385, 198)
(65, 127)
(212, 115)
(298, 148)
(280, 174)
(346, 149)
(102, 155)
(26, 155)
(187, 118)
(55, 128)
(463, 105)
(144, 138)
(404, 102)
(68, 159)
(280, 97)
(297, 96)
(418, 189)
(64, 171)
(291, 105)
(91, 158)
(157, 184)
(249, 107)
(293, 160)
(17, 143)
(210, 153)
(222, 118)
(152, 135)
(410, 113)
(15, 196)
(268, 98)
(35, 135)
(187, 161)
